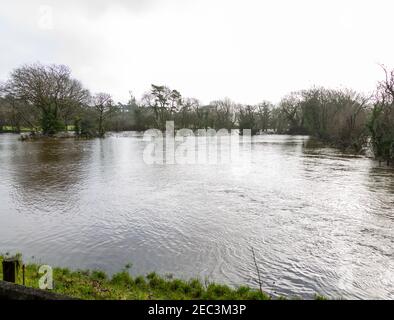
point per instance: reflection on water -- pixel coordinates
(319, 221)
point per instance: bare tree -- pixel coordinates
(381, 124)
(164, 102)
(51, 89)
(247, 117)
(386, 87)
(225, 115)
(187, 108)
(103, 104)
(264, 115)
(292, 109)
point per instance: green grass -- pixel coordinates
(11, 129)
(23, 129)
(91, 285)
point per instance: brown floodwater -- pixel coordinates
(319, 221)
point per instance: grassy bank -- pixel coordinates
(87, 284)
(10, 129)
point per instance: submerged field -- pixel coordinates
(313, 215)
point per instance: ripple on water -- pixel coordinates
(319, 221)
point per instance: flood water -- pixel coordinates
(319, 221)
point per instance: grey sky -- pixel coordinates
(246, 50)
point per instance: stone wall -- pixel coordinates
(11, 291)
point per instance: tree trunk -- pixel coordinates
(100, 128)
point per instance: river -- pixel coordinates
(318, 220)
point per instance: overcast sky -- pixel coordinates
(246, 50)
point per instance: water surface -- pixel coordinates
(319, 221)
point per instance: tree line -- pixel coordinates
(47, 99)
